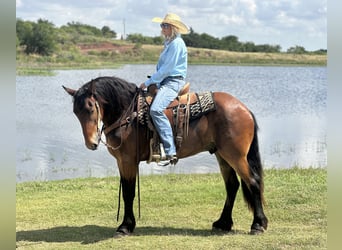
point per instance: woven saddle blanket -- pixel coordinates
(195, 104)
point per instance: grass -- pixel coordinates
(73, 57)
(177, 213)
(211, 56)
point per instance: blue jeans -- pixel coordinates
(167, 92)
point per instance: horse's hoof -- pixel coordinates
(256, 232)
(224, 227)
(122, 232)
(118, 235)
(257, 229)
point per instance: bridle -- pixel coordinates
(99, 119)
(99, 131)
(124, 120)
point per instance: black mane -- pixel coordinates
(114, 90)
(114, 93)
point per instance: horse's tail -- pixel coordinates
(256, 169)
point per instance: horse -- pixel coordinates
(229, 132)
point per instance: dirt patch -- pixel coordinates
(85, 48)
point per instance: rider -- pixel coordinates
(169, 78)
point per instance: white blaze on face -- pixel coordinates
(90, 123)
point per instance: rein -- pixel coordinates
(118, 124)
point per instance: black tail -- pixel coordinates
(254, 161)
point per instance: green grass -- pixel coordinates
(72, 57)
(176, 213)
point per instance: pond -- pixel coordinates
(289, 104)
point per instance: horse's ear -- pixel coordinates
(92, 87)
(69, 91)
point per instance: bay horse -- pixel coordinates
(230, 132)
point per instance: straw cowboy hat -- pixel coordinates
(175, 20)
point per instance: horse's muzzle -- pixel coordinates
(92, 146)
(92, 142)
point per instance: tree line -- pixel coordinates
(207, 41)
(44, 38)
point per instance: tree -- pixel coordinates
(248, 47)
(231, 43)
(36, 37)
(192, 39)
(208, 41)
(24, 31)
(139, 38)
(106, 32)
(157, 40)
(42, 40)
(296, 50)
(82, 29)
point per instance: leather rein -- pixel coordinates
(124, 120)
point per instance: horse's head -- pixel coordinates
(87, 110)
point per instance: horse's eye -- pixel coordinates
(90, 104)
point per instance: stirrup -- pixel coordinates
(169, 159)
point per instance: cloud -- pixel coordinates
(283, 22)
(18, 3)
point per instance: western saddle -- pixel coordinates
(185, 107)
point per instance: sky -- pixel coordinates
(287, 23)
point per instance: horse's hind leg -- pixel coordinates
(225, 222)
(252, 188)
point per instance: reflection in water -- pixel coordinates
(294, 141)
(289, 104)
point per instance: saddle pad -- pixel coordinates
(204, 104)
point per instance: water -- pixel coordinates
(288, 102)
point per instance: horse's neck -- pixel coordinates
(111, 115)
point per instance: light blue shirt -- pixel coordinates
(173, 61)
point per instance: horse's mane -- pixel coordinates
(112, 91)
(114, 94)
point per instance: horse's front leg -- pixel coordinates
(128, 191)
